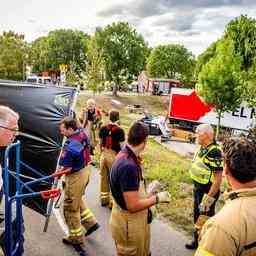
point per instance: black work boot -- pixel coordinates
(194, 243)
(92, 229)
(78, 247)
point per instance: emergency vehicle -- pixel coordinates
(188, 110)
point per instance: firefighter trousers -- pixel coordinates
(130, 231)
(106, 159)
(91, 129)
(76, 213)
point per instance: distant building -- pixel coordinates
(156, 86)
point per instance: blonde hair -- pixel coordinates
(91, 103)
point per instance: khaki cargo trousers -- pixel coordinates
(76, 213)
(106, 159)
(130, 231)
(92, 133)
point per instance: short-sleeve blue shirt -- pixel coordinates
(125, 175)
(72, 155)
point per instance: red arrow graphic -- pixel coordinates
(189, 107)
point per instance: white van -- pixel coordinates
(39, 79)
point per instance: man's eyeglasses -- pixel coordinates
(16, 129)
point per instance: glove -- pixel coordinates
(153, 187)
(163, 197)
(206, 203)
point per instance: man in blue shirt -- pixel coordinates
(75, 158)
(129, 217)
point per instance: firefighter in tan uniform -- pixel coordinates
(75, 158)
(129, 221)
(231, 232)
(92, 121)
(111, 136)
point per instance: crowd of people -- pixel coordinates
(123, 188)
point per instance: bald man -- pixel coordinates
(206, 173)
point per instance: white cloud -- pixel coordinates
(195, 24)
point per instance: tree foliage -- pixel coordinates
(203, 58)
(242, 31)
(171, 61)
(124, 52)
(95, 73)
(63, 46)
(220, 79)
(13, 53)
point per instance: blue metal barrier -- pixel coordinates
(14, 244)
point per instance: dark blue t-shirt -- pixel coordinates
(125, 175)
(72, 155)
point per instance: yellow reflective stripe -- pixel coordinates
(76, 232)
(200, 172)
(86, 214)
(202, 252)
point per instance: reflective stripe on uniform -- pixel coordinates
(202, 252)
(104, 195)
(200, 172)
(76, 232)
(86, 214)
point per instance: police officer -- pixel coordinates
(111, 135)
(92, 121)
(231, 232)
(129, 217)
(75, 159)
(206, 173)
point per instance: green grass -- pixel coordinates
(172, 171)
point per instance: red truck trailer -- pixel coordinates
(188, 110)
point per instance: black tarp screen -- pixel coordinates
(40, 108)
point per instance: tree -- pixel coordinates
(124, 52)
(13, 54)
(95, 73)
(205, 57)
(220, 79)
(171, 61)
(63, 46)
(38, 55)
(248, 88)
(242, 31)
(66, 46)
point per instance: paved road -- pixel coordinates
(164, 240)
(180, 147)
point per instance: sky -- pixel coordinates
(193, 23)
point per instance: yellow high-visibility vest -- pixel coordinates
(199, 171)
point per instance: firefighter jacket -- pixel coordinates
(231, 232)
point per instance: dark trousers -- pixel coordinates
(198, 193)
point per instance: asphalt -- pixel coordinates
(165, 240)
